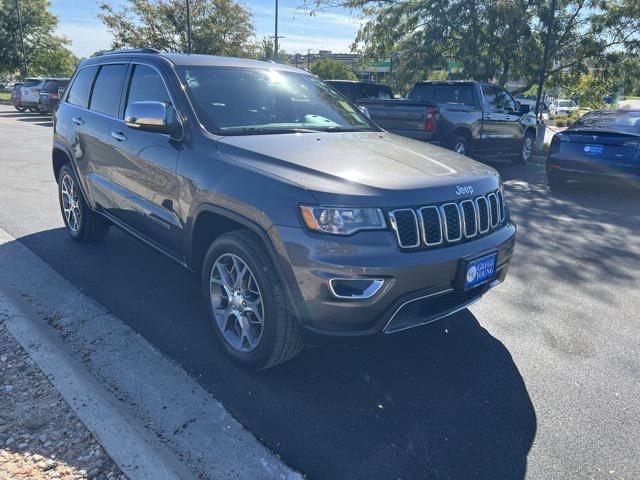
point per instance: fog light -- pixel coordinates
(355, 289)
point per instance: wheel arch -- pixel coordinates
(211, 221)
(464, 132)
(59, 157)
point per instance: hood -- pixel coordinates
(363, 168)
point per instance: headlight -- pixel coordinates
(342, 221)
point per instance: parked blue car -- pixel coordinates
(603, 144)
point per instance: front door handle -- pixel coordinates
(119, 136)
(78, 121)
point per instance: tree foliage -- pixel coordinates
(46, 52)
(492, 39)
(219, 27)
(264, 50)
(332, 70)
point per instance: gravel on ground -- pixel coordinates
(40, 436)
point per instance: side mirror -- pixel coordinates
(524, 108)
(365, 111)
(152, 117)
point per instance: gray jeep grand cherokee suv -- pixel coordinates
(301, 216)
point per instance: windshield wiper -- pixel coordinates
(265, 130)
(338, 128)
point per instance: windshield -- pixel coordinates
(625, 121)
(32, 83)
(250, 101)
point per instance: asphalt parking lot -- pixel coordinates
(539, 380)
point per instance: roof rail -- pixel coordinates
(126, 51)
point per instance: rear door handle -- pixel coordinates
(119, 136)
(78, 121)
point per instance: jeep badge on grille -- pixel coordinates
(464, 190)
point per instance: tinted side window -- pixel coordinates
(497, 99)
(343, 88)
(81, 88)
(50, 86)
(108, 88)
(147, 86)
(460, 94)
(422, 92)
(376, 91)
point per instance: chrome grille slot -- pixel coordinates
(451, 223)
(493, 208)
(501, 205)
(469, 218)
(483, 214)
(405, 223)
(431, 225)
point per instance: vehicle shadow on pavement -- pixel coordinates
(442, 401)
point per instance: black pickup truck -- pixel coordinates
(471, 118)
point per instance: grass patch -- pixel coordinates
(631, 97)
(5, 95)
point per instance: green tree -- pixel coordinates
(46, 52)
(492, 39)
(265, 50)
(331, 70)
(219, 27)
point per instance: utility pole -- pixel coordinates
(188, 28)
(545, 55)
(24, 52)
(308, 59)
(275, 37)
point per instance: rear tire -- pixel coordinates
(21, 109)
(81, 223)
(526, 149)
(274, 341)
(460, 144)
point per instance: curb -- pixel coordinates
(166, 413)
(135, 454)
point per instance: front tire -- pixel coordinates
(81, 223)
(21, 109)
(246, 303)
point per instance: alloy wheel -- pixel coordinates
(70, 203)
(460, 148)
(527, 148)
(237, 302)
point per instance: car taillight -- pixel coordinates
(36, 91)
(430, 119)
(53, 95)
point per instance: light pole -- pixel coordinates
(545, 55)
(188, 28)
(24, 53)
(275, 37)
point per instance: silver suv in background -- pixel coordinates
(30, 93)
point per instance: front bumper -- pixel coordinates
(419, 286)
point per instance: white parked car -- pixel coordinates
(30, 93)
(562, 108)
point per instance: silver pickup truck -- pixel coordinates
(471, 118)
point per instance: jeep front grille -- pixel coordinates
(454, 222)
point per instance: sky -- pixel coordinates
(333, 30)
